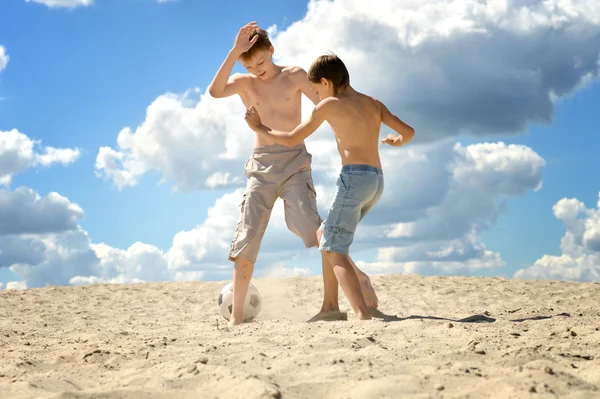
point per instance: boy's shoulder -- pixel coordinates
(294, 71)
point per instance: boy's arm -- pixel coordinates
(296, 136)
(302, 79)
(405, 131)
(222, 85)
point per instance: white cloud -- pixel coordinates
(193, 144)
(18, 153)
(1, 285)
(280, 270)
(63, 3)
(580, 258)
(3, 58)
(16, 285)
(63, 156)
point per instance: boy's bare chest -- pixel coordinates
(276, 95)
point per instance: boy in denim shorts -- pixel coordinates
(274, 170)
(356, 120)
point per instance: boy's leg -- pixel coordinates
(302, 218)
(242, 273)
(255, 212)
(365, 286)
(345, 274)
(357, 187)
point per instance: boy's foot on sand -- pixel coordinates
(368, 292)
(329, 315)
(233, 323)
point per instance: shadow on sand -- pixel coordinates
(478, 318)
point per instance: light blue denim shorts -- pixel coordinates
(359, 188)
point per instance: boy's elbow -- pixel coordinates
(213, 92)
(410, 134)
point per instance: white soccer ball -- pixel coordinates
(252, 304)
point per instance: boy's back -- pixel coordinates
(356, 120)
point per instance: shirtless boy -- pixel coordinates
(274, 170)
(356, 120)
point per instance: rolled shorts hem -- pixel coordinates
(345, 251)
(233, 257)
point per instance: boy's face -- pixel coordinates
(261, 64)
(324, 88)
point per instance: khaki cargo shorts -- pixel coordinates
(276, 171)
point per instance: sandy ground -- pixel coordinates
(168, 341)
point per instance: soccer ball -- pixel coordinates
(252, 304)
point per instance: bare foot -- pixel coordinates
(368, 291)
(329, 315)
(362, 316)
(234, 322)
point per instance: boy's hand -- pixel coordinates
(253, 118)
(395, 140)
(242, 40)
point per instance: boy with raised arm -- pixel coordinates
(274, 170)
(356, 120)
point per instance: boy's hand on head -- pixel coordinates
(242, 40)
(395, 140)
(253, 118)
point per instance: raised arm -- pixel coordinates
(296, 136)
(222, 84)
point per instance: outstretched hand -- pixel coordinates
(253, 118)
(395, 140)
(242, 40)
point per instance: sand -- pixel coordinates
(536, 339)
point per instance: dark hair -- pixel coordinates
(332, 68)
(262, 43)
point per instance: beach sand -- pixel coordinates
(167, 340)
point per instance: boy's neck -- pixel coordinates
(346, 90)
(273, 72)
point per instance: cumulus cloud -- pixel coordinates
(16, 285)
(465, 67)
(3, 58)
(63, 3)
(24, 211)
(193, 142)
(580, 258)
(18, 153)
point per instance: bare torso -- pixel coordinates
(356, 120)
(278, 100)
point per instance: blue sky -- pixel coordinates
(77, 76)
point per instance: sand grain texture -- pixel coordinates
(166, 340)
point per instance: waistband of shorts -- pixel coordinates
(278, 148)
(361, 168)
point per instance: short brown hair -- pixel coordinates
(262, 43)
(332, 68)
